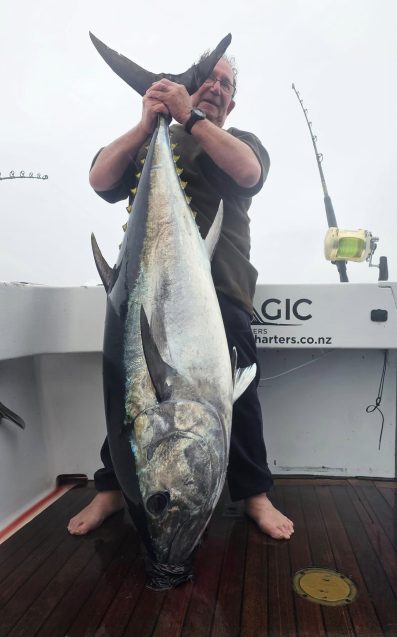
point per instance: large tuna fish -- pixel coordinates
(169, 383)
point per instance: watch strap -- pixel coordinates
(195, 116)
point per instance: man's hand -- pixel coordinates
(174, 97)
(151, 108)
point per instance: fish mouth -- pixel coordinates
(166, 576)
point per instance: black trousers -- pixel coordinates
(248, 473)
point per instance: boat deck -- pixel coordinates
(56, 585)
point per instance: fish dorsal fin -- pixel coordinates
(244, 377)
(160, 372)
(214, 232)
(104, 269)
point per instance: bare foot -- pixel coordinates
(269, 519)
(94, 514)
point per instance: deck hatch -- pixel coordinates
(324, 586)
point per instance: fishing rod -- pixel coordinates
(329, 209)
(23, 175)
(341, 246)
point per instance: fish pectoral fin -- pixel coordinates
(214, 232)
(7, 414)
(160, 372)
(244, 377)
(104, 269)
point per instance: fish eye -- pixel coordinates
(158, 502)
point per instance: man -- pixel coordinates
(232, 166)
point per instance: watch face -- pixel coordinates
(198, 112)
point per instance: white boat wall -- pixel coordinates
(322, 350)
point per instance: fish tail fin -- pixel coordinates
(214, 232)
(104, 269)
(140, 79)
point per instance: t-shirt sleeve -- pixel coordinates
(263, 157)
(122, 189)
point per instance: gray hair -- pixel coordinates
(231, 62)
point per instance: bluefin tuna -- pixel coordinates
(169, 381)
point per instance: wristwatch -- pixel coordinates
(195, 116)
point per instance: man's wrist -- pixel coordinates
(196, 115)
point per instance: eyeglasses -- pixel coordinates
(225, 85)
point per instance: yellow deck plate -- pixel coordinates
(324, 586)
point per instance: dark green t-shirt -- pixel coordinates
(232, 272)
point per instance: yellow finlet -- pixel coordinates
(176, 157)
(133, 191)
(179, 171)
(129, 208)
(137, 175)
(183, 184)
(124, 226)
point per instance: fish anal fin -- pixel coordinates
(233, 361)
(243, 377)
(160, 372)
(214, 232)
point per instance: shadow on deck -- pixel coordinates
(56, 585)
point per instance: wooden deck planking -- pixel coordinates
(70, 575)
(228, 607)
(282, 620)
(146, 613)
(22, 585)
(337, 620)
(390, 495)
(255, 613)
(173, 612)
(309, 619)
(115, 621)
(64, 586)
(362, 614)
(383, 512)
(381, 544)
(380, 591)
(94, 588)
(19, 546)
(208, 567)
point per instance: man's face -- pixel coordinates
(212, 99)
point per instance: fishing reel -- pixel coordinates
(354, 245)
